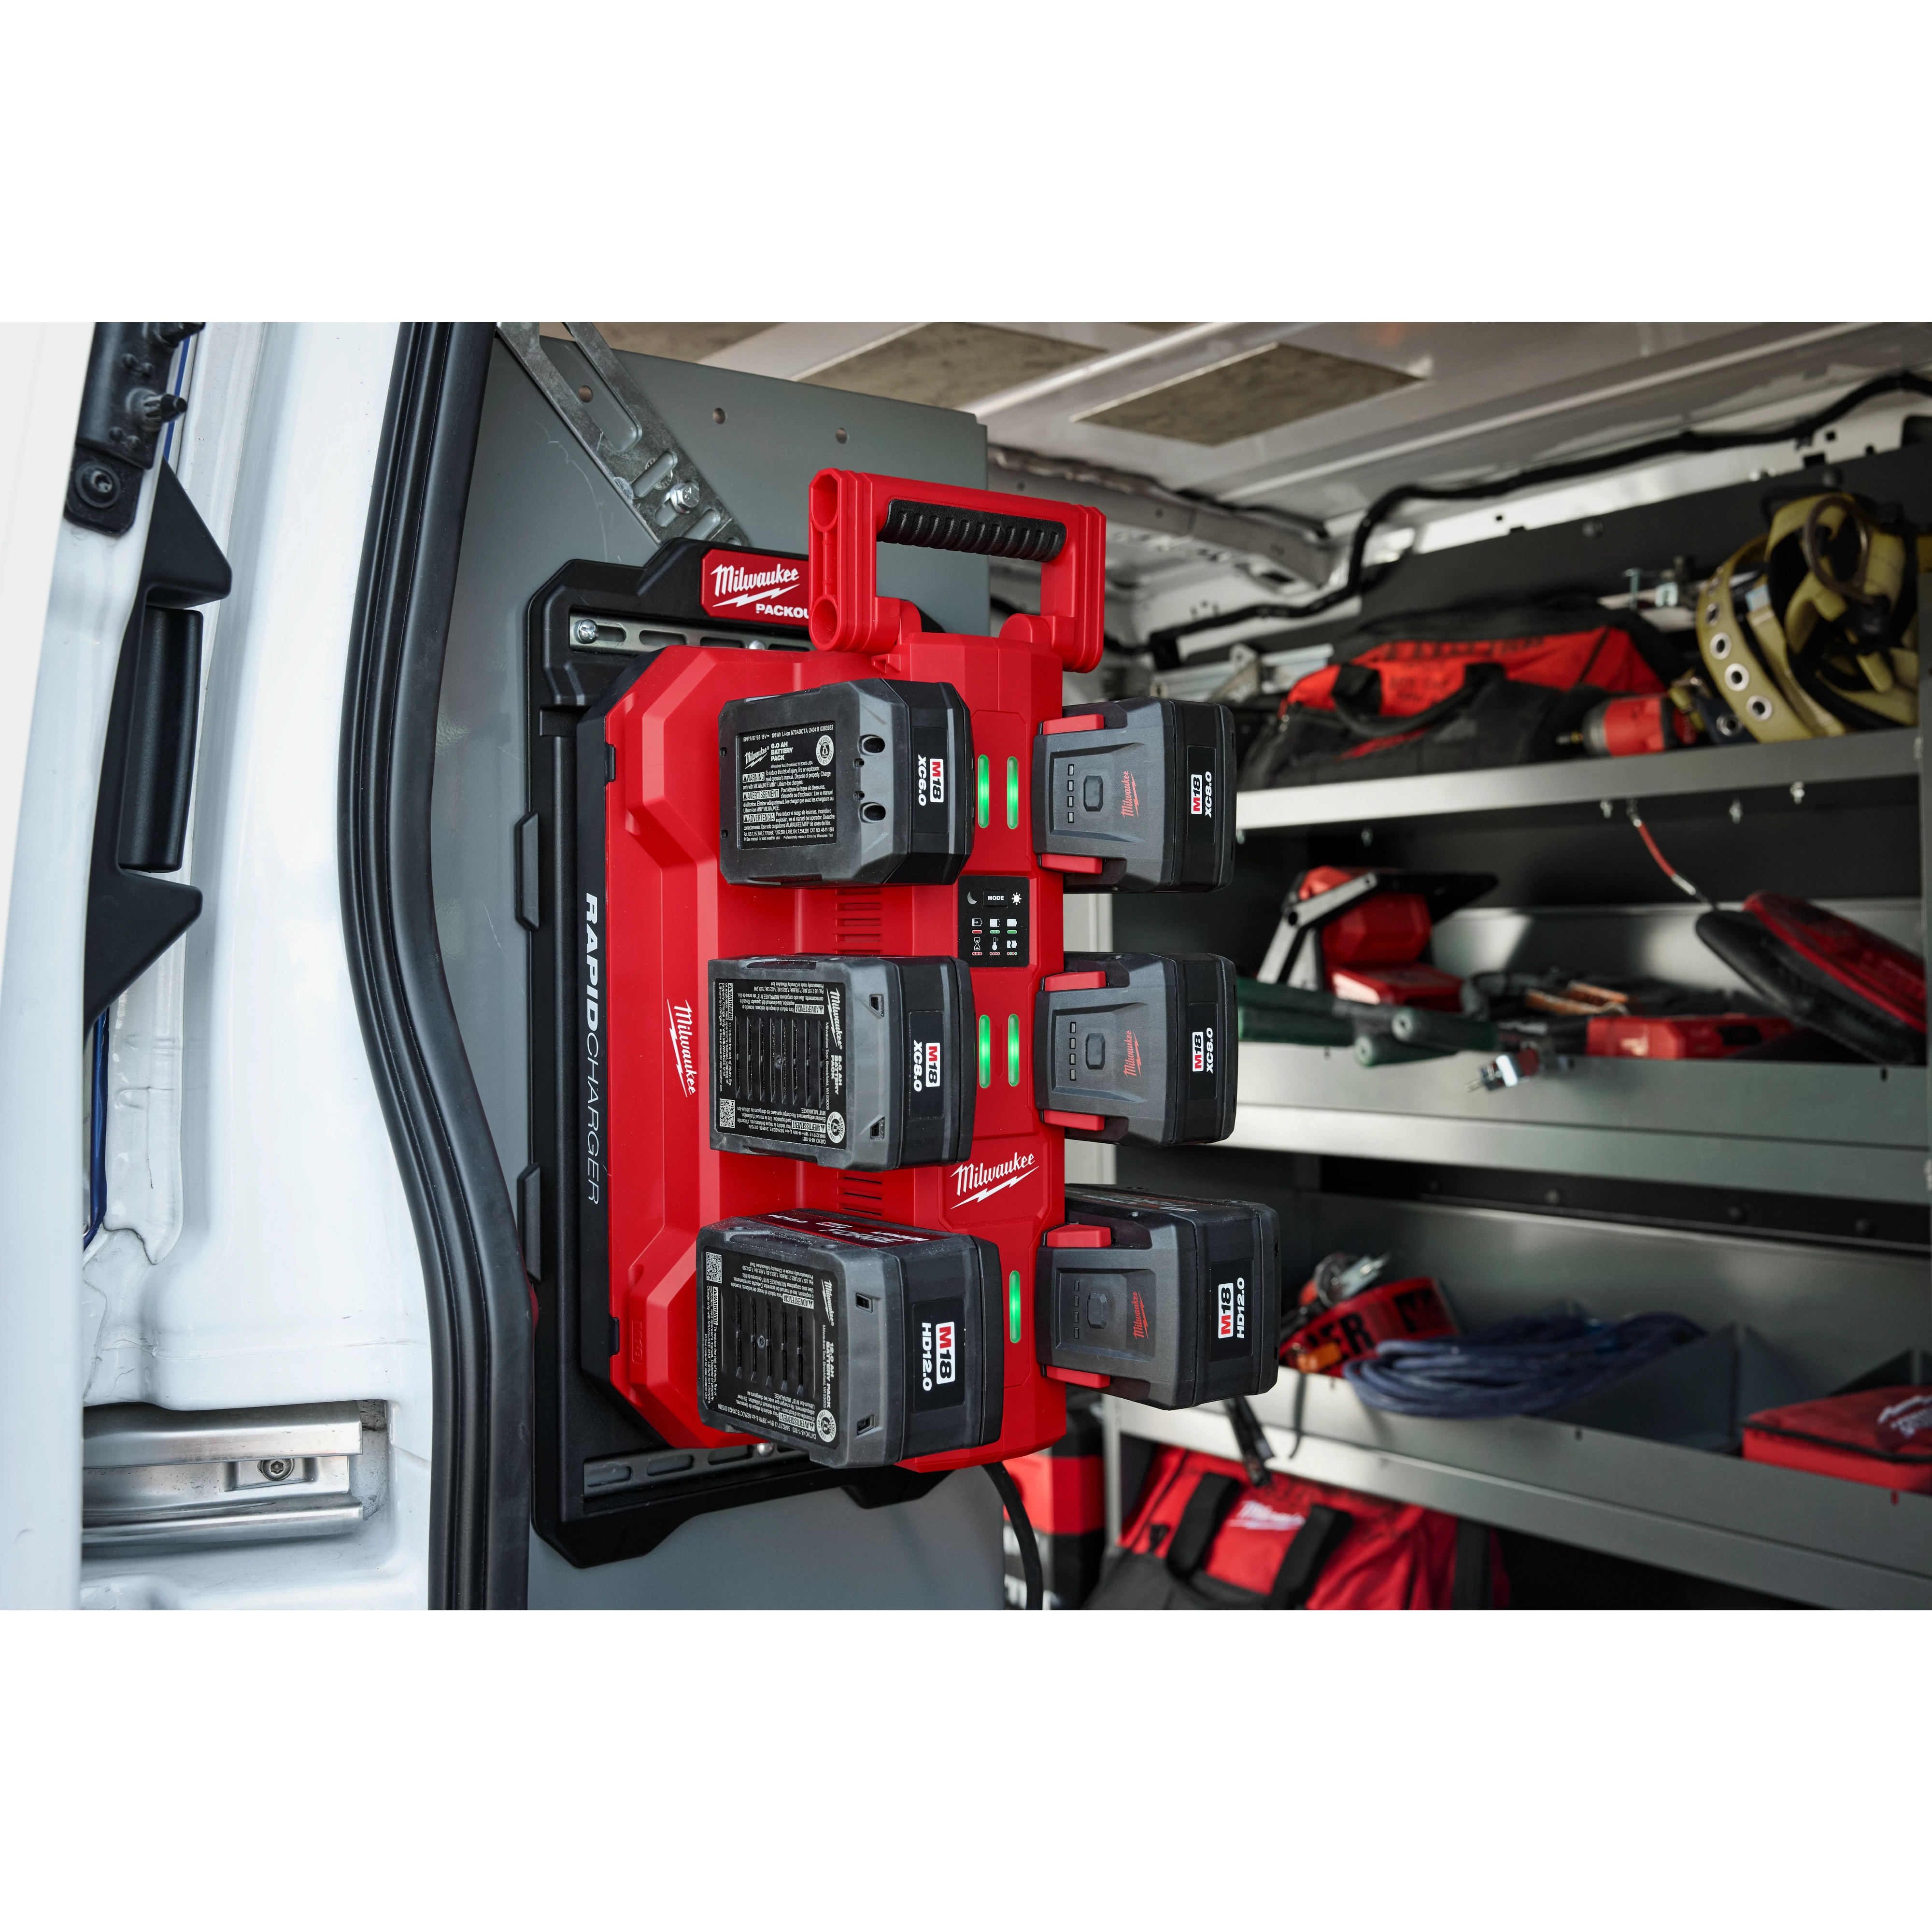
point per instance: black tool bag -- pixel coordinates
(1504, 687)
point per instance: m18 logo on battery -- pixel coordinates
(1203, 1050)
(1200, 794)
(926, 1066)
(931, 781)
(945, 1352)
(1224, 1330)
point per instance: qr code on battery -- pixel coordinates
(728, 1113)
(714, 1267)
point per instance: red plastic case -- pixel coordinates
(661, 911)
(1881, 1436)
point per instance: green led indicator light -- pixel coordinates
(1012, 795)
(986, 1051)
(1013, 1305)
(985, 786)
(1012, 1049)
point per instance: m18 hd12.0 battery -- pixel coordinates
(861, 1343)
(1136, 795)
(848, 1061)
(859, 784)
(1175, 1302)
(1137, 1047)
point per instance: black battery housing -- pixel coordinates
(1183, 1307)
(865, 783)
(1149, 794)
(1152, 1052)
(849, 1061)
(861, 1342)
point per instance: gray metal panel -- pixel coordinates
(1729, 768)
(536, 501)
(776, 436)
(817, 1553)
(1856, 1131)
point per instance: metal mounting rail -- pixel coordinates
(649, 469)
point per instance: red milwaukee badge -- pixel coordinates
(742, 585)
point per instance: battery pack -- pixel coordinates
(848, 1061)
(856, 784)
(861, 1343)
(1173, 1302)
(1136, 795)
(1137, 1047)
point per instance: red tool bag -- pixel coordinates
(1458, 692)
(1881, 1436)
(1204, 1539)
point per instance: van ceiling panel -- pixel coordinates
(1282, 383)
(950, 364)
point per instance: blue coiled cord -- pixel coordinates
(1520, 1367)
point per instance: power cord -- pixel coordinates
(1670, 871)
(1682, 443)
(1016, 1515)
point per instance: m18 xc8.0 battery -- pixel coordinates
(1176, 1302)
(857, 783)
(861, 1343)
(1136, 795)
(1137, 1047)
(848, 1061)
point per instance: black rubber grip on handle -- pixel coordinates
(982, 532)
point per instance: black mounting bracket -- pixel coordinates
(124, 408)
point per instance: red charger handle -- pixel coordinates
(853, 513)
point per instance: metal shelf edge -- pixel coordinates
(1876, 755)
(1716, 1551)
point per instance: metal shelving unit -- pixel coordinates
(1842, 1545)
(1804, 1306)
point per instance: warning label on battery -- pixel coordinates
(768, 1355)
(779, 1060)
(788, 787)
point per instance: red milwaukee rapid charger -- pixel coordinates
(806, 912)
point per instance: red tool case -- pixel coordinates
(1882, 1436)
(621, 878)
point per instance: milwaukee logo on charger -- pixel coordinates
(742, 584)
(678, 1013)
(976, 1180)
